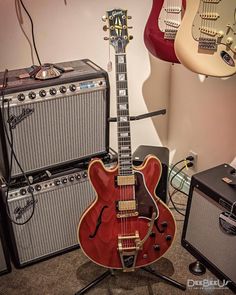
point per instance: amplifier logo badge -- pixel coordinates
(20, 211)
(15, 120)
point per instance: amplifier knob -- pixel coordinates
(21, 97)
(72, 87)
(42, 93)
(53, 91)
(84, 175)
(71, 178)
(38, 187)
(63, 89)
(78, 176)
(32, 95)
(30, 189)
(64, 180)
(57, 182)
(23, 191)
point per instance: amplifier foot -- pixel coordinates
(197, 268)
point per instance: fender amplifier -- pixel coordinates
(54, 121)
(59, 203)
(5, 265)
(210, 225)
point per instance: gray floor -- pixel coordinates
(66, 274)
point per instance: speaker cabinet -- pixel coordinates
(54, 122)
(59, 203)
(162, 153)
(209, 231)
(5, 266)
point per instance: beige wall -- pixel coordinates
(201, 115)
(75, 32)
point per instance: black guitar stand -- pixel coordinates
(110, 272)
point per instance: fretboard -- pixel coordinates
(123, 119)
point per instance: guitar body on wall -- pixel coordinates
(206, 42)
(127, 226)
(161, 28)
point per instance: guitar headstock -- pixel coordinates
(118, 29)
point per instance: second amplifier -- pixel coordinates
(59, 203)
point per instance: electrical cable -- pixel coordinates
(32, 31)
(10, 142)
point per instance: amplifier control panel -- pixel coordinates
(55, 91)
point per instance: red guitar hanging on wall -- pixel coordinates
(162, 26)
(127, 226)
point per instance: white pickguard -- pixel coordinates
(170, 16)
(206, 40)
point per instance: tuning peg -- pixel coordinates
(105, 28)
(106, 38)
(129, 17)
(104, 18)
(131, 37)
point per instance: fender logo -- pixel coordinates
(20, 211)
(15, 120)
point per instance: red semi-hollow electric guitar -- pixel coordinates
(127, 226)
(162, 26)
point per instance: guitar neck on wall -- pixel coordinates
(161, 28)
(205, 42)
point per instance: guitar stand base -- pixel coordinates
(147, 269)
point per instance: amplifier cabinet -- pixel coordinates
(5, 265)
(210, 225)
(162, 153)
(59, 204)
(55, 121)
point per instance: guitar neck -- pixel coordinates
(123, 118)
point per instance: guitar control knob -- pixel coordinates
(63, 89)
(72, 87)
(157, 247)
(21, 97)
(220, 34)
(32, 95)
(229, 41)
(85, 174)
(42, 93)
(168, 237)
(164, 224)
(57, 182)
(38, 187)
(78, 176)
(53, 91)
(71, 178)
(64, 180)
(152, 234)
(23, 191)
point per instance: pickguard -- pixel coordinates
(146, 203)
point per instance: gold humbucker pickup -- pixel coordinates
(125, 180)
(126, 205)
(126, 209)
